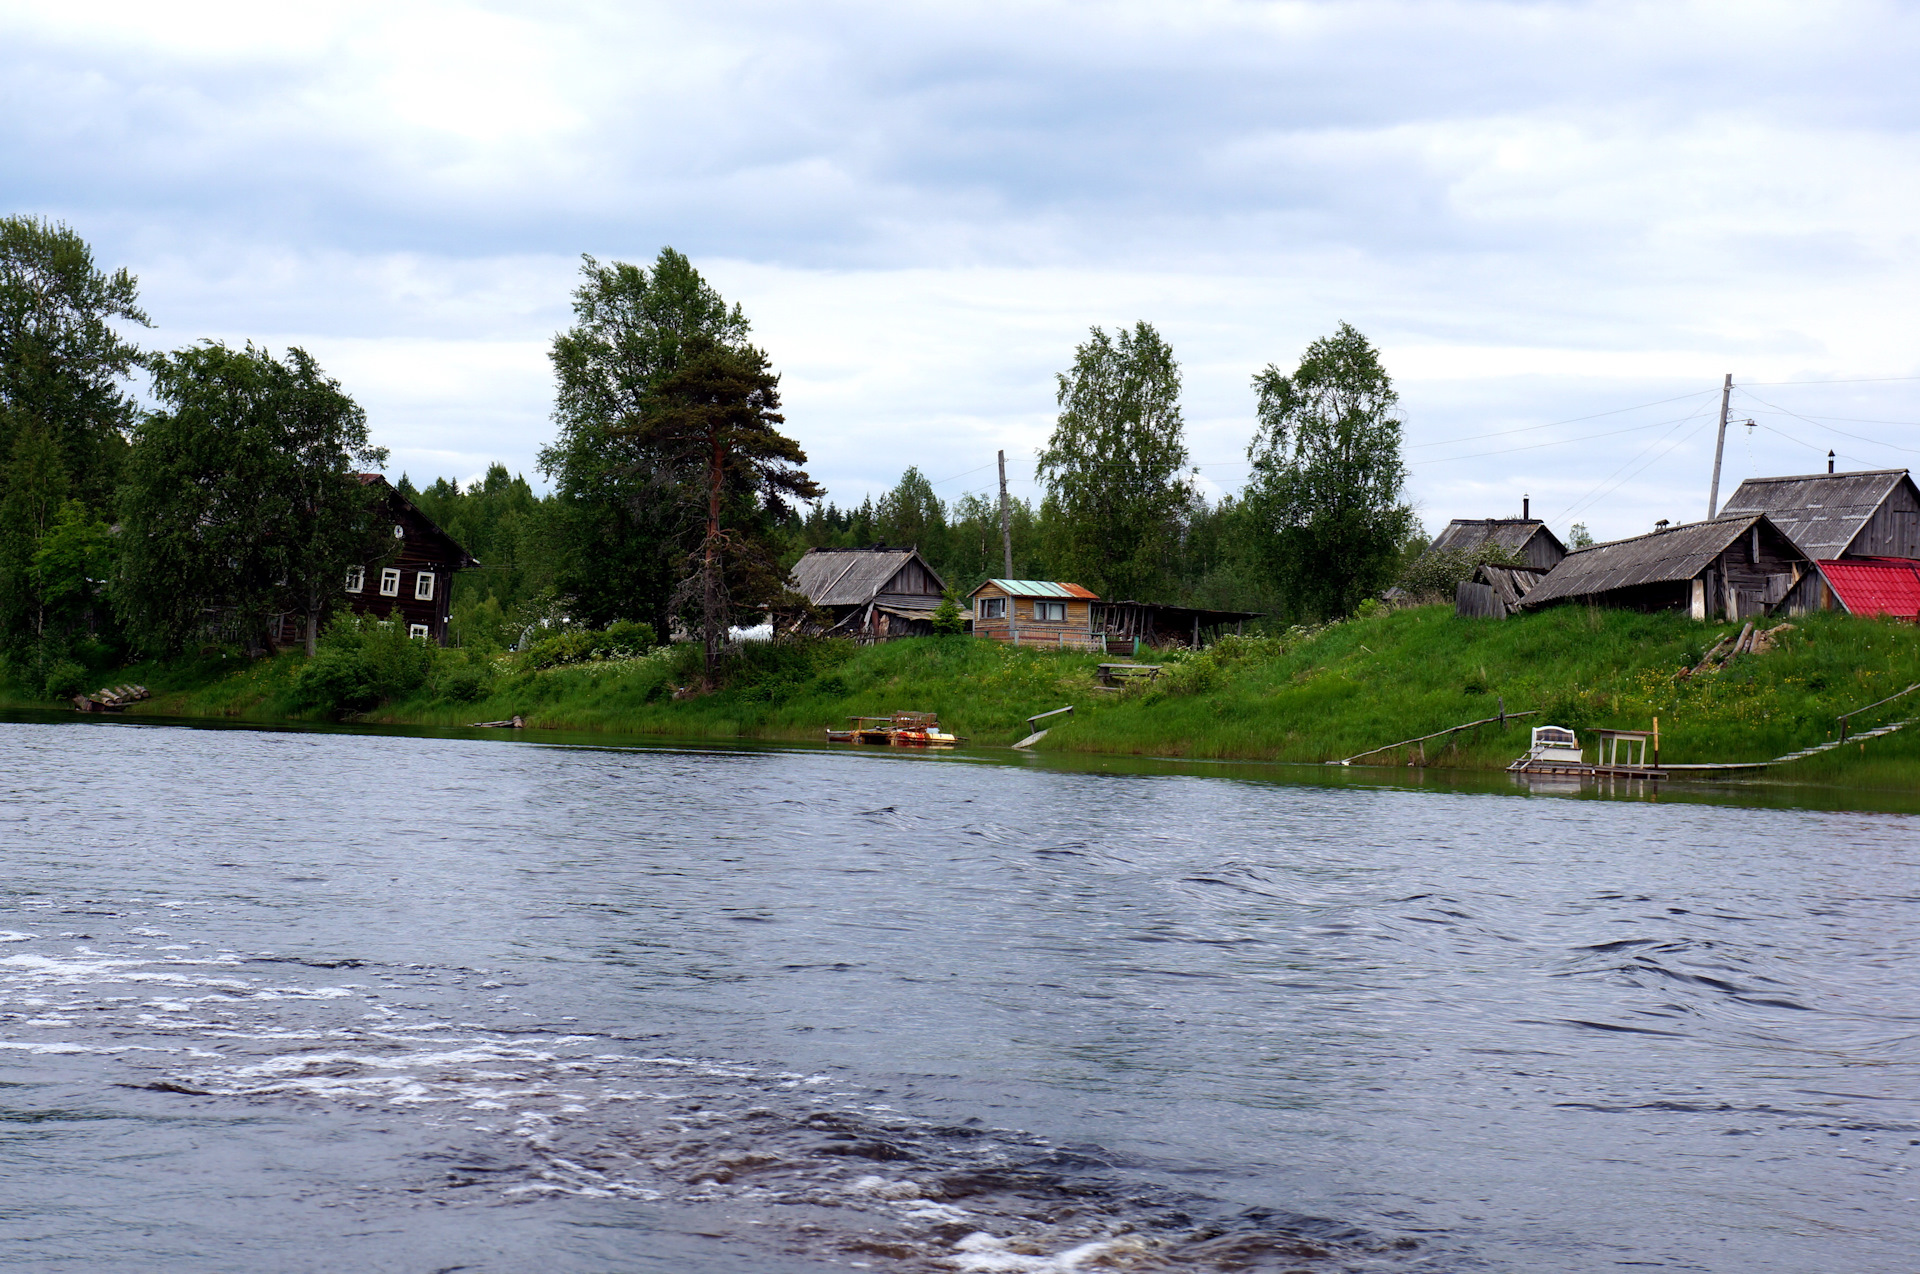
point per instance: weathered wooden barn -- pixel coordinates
(1867, 513)
(1494, 592)
(1525, 536)
(410, 582)
(1027, 612)
(871, 594)
(1887, 586)
(1133, 626)
(1734, 565)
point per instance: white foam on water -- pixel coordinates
(983, 1253)
(9, 935)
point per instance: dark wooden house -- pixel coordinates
(1494, 592)
(410, 581)
(1734, 565)
(872, 594)
(1029, 612)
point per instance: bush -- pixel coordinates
(623, 639)
(948, 619)
(65, 679)
(361, 663)
(1436, 576)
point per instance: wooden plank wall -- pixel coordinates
(1894, 528)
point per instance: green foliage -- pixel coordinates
(623, 639)
(948, 619)
(363, 662)
(65, 679)
(912, 515)
(242, 496)
(1116, 494)
(511, 531)
(1579, 537)
(63, 365)
(1327, 476)
(1436, 575)
(616, 523)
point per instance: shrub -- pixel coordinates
(361, 663)
(65, 679)
(948, 619)
(622, 639)
(1436, 576)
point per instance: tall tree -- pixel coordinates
(713, 425)
(1113, 467)
(243, 495)
(617, 519)
(1324, 495)
(63, 365)
(911, 514)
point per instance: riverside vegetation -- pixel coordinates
(1306, 694)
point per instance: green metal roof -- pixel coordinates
(1039, 588)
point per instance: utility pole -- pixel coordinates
(1719, 448)
(1006, 526)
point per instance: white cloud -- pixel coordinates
(1539, 211)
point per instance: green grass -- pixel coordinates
(1303, 697)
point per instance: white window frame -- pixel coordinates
(419, 631)
(991, 608)
(423, 586)
(390, 581)
(1050, 612)
(356, 579)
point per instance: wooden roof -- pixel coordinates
(1511, 534)
(1821, 513)
(1673, 555)
(852, 577)
(451, 549)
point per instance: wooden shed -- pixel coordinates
(1494, 592)
(1027, 612)
(1866, 513)
(410, 582)
(871, 594)
(1734, 565)
(1134, 625)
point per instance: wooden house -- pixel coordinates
(1828, 516)
(872, 594)
(1528, 537)
(1861, 531)
(1734, 565)
(1026, 612)
(409, 581)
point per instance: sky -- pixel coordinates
(1562, 224)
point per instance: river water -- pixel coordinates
(334, 1001)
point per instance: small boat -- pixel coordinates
(901, 730)
(1555, 749)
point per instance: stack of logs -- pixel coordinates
(111, 699)
(1750, 641)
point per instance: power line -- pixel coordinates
(1560, 442)
(1570, 421)
(1819, 424)
(1863, 380)
(1608, 484)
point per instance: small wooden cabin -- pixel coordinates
(1734, 566)
(1887, 586)
(871, 594)
(411, 581)
(1026, 612)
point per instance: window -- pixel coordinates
(390, 582)
(1056, 611)
(356, 578)
(417, 630)
(423, 587)
(990, 608)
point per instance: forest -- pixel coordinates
(158, 504)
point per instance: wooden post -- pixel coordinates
(1006, 526)
(1656, 740)
(1719, 448)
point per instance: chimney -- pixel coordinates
(1829, 462)
(1525, 505)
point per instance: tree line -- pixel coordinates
(233, 496)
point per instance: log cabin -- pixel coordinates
(1735, 565)
(870, 594)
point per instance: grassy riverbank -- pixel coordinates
(1304, 696)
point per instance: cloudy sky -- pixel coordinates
(1561, 223)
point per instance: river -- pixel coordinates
(288, 1001)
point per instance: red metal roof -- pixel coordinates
(1875, 585)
